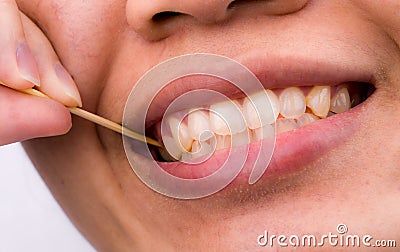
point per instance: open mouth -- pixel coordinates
(314, 106)
(196, 132)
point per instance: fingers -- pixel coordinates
(27, 59)
(25, 117)
(55, 81)
(18, 68)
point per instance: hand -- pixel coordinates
(27, 59)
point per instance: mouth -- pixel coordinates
(313, 107)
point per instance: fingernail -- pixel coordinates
(26, 64)
(69, 86)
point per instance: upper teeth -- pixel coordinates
(227, 118)
(239, 120)
(318, 100)
(292, 103)
(266, 116)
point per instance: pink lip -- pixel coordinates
(293, 150)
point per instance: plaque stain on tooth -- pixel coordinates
(318, 100)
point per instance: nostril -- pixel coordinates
(232, 5)
(165, 15)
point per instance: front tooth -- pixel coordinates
(262, 133)
(341, 101)
(318, 100)
(284, 125)
(292, 103)
(267, 111)
(230, 112)
(180, 132)
(305, 119)
(184, 137)
(198, 123)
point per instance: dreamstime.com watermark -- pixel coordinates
(340, 238)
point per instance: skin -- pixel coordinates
(107, 46)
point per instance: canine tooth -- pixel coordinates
(292, 103)
(229, 111)
(184, 137)
(241, 138)
(341, 101)
(284, 125)
(262, 133)
(173, 147)
(267, 111)
(318, 100)
(198, 122)
(305, 119)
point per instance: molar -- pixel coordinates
(341, 101)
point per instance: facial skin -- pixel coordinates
(108, 45)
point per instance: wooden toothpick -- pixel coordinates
(101, 121)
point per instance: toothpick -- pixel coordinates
(101, 121)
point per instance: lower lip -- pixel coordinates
(293, 150)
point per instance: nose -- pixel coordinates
(156, 19)
(147, 17)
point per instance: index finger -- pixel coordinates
(18, 68)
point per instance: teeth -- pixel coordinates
(267, 113)
(228, 124)
(198, 124)
(196, 147)
(341, 101)
(292, 103)
(284, 125)
(242, 138)
(318, 100)
(184, 137)
(199, 149)
(262, 133)
(180, 131)
(306, 119)
(231, 113)
(223, 142)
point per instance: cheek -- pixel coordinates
(385, 13)
(83, 33)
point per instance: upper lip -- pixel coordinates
(273, 72)
(294, 150)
